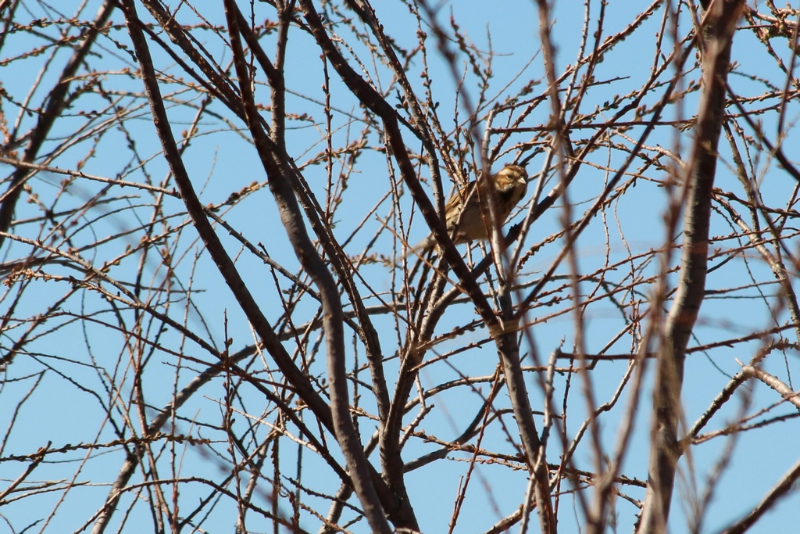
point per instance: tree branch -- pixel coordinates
(718, 27)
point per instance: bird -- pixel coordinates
(467, 214)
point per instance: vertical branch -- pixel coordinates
(717, 28)
(339, 263)
(313, 264)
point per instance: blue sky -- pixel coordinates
(221, 161)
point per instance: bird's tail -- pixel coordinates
(421, 247)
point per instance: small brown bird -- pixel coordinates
(467, 220)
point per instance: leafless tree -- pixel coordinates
(213, 312)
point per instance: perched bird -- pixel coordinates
(467, 214)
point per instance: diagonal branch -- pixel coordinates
(56, 101)
(218, 254)
(505, 340)
(292, 219)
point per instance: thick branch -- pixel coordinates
(215, 248)
(338, 259)
(717, 28)
(312, 263)
(372, 100)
